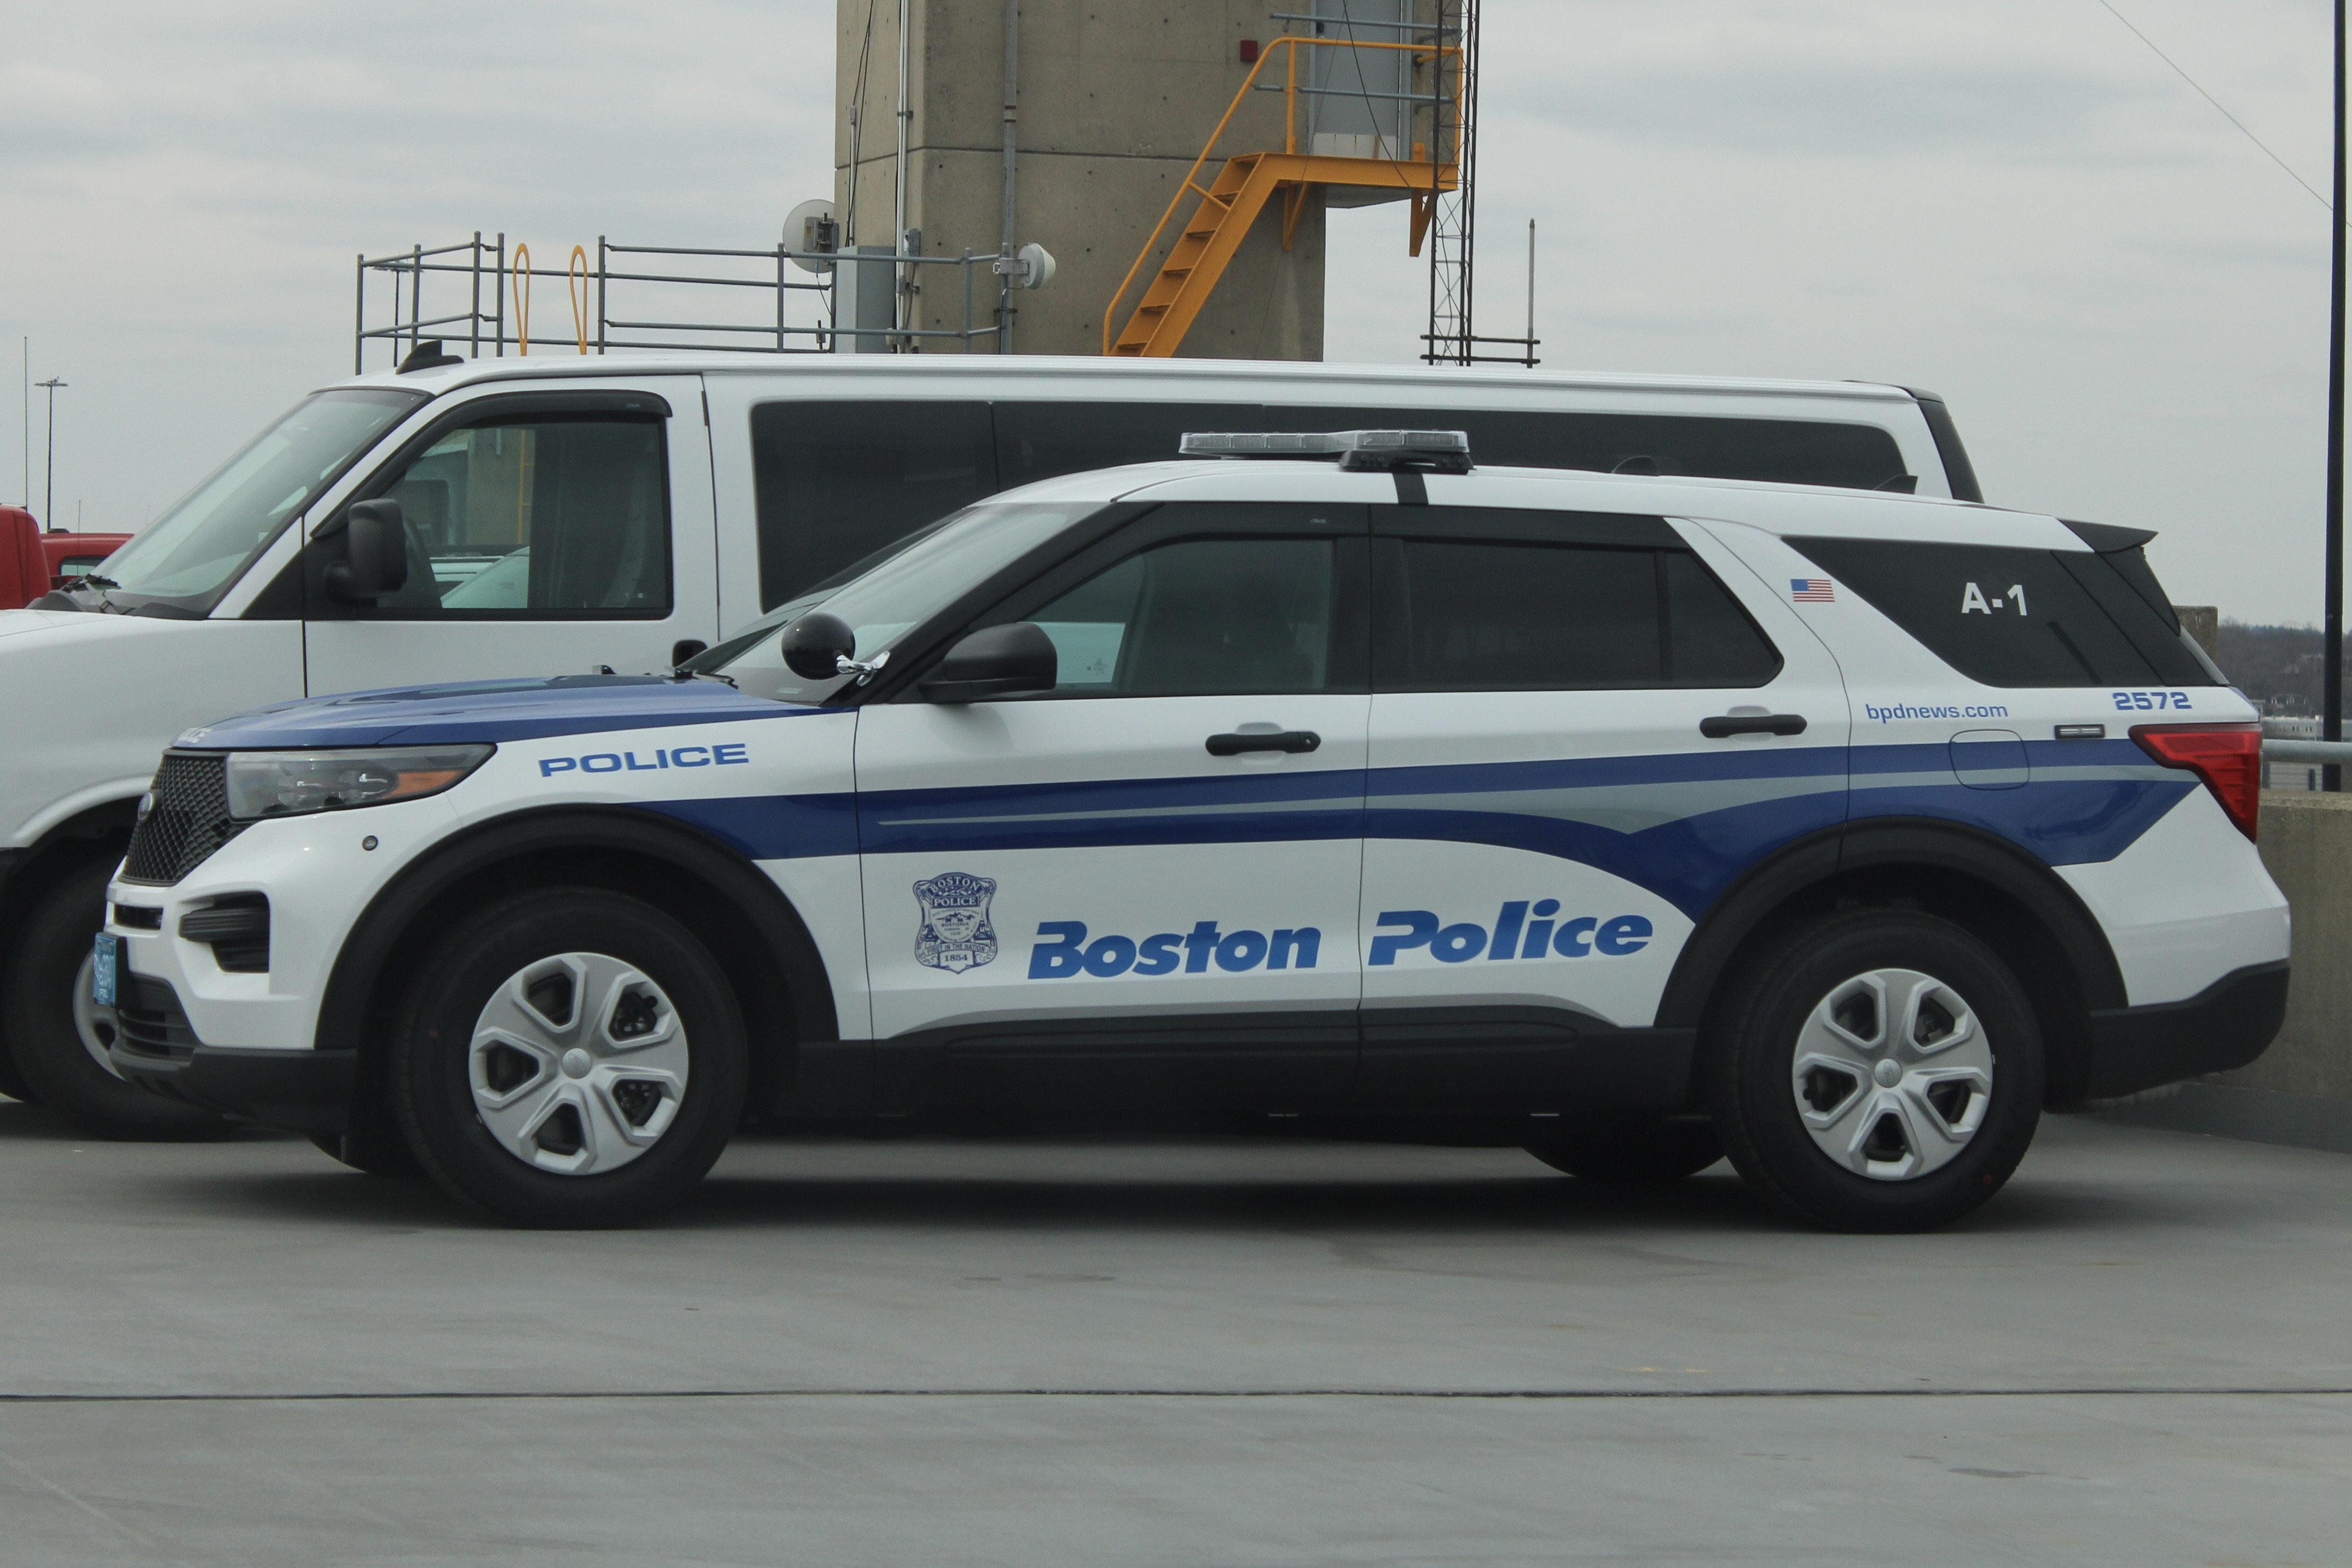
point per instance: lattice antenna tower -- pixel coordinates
(1454, 137)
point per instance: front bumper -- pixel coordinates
(2226, 1025)
(296, 1091)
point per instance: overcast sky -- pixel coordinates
(2016, 204)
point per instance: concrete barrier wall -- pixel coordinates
(2307, 842)
(2300, 1090)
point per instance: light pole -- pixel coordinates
(2331, 705)
(49, 463)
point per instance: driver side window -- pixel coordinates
(545, 518)
(1199, 618)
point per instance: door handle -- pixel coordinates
(1722, 725)
(1293, 740)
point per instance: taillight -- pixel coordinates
(2227, 757)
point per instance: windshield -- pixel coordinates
(898, 588)
(199, 547)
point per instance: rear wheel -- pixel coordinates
(1878, 1071)
(57, 1037)
(373, 1150)
(569, 1057)
(1647, 1151)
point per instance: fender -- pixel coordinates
(1855, 849)
(773, 927)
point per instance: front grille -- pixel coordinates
(187, 820)
(148, 1011)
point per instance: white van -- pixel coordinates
(559, 516)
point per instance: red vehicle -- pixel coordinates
(32, 562)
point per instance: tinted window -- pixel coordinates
(1199, 618)
(1041, 440)
(2015, 617)
(550, 515)
(836, 481)
(1786, 451)
(1485, 615)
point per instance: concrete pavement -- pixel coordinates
(1176, 1350)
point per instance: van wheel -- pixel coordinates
(1879, 1071)
(57, 1037)
(1628, 1152)
(569, 1057)
(373, 1150)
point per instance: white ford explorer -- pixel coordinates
(1636, 821)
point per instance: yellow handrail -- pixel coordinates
(575, 284)
(522, 297)
(1289, 137)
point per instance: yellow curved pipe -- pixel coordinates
(522, 297)
(575, 284)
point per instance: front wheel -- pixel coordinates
(1877, 1070)
(57, 1037)
(1628, 1152)
(569, 1057)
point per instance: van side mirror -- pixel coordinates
(995, 662)
(815, 644)
(375, 552)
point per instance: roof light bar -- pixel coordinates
(1359, 450)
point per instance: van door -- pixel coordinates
(549, 532)
(1580, 738)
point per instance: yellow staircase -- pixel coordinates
(1230, 205)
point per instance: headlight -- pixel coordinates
(290, 783)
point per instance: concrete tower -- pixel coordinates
(1114, 100)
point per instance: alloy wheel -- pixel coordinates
(94, 1021)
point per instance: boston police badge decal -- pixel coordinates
(955, 934)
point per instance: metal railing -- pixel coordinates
(424, 279)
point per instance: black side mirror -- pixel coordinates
(815, 644)
(375, 552)
(995, 662)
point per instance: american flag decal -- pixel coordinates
(1811, 590)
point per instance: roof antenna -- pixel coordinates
(426, 356)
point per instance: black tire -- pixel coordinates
(36, 1019)
(12, 1083)
(372, 1151)
(1753, 1089)
(1647, 1152)
(429, 1071)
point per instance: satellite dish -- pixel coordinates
(812, 225)
(1037, 266)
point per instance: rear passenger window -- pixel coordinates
(837, 481)
(1490, 615)
(2009, 617)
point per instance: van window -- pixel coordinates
(837, 481)
(2015, 617)
(1041, 440)
(1489, 615)
(547, 516)
(1783, 451)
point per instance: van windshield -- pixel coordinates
(192, 553)
(895, 589)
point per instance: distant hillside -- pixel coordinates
(2278, 666)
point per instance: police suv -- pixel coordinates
(1637, 820)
